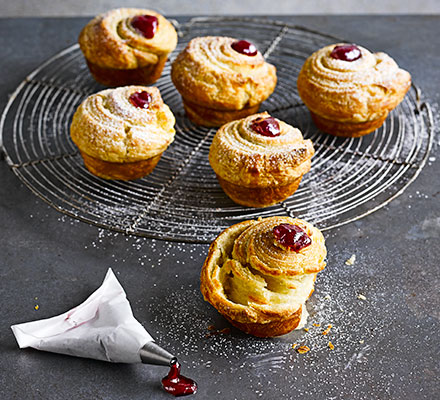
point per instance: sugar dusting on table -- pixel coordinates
(184, 322)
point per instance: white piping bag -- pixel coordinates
(103, 328)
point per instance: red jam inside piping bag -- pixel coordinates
(266, 126)
(140, 99)
(176, 384)
(146, 24)
(292, 236)
(346, 52)
(244, 47)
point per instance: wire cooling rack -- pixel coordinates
(181, 199)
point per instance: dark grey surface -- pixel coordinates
(56, 262)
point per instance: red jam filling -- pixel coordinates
(266, 126)
(146, 24)
(346, 52)
(292, 236)
(244, 47)
(140, 99)
(176, 384)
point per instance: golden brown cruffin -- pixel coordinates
(257, 285)
(219, 84)
(118, 140)
(351, 98)
(118, 54)
(256, 170)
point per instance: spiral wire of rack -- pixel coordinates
(181, 199)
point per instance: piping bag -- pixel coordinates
(102, 327)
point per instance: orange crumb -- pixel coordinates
(330, 326)
(306, 329)
(303, 349)
(37, 307)
(295, 345)
(315, 324)
(330, 344)
(213, 331)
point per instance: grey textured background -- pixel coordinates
(27, 8)
(386, 347)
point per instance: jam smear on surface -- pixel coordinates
(266, 126)
(244, 47)
(140, 99)
(146, 24)
(292, 236)
(346, 52)
(176, 384)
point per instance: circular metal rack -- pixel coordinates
(181, 199)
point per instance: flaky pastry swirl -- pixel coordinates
(250, 279)
(111, 41)
(210, 72)
(244, 157)
(109, 127)
(357, 91)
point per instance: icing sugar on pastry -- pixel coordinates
(354, 91)
(257, 169)
(258, 286)
(110, 127)
(127, 46)
(209, 72)
(112, 41)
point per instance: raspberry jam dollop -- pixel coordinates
(244, 47)
(176, 384)
(266, 126)
(292, 236)
(140, 99)
(146, 24)
(346, 52)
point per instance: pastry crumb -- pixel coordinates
(351, 260)
(214, 331)
(36, 307)
(317, 325)
(295, 345)
(330, 326)
(362, 341)
(331, 346)
(303, 349)
(306, 329)
(361, 297)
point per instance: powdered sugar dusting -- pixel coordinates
(181, 199)
(181, 321)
